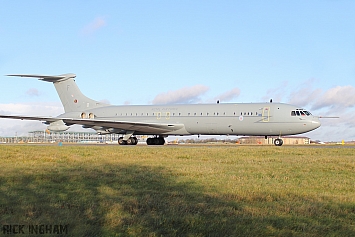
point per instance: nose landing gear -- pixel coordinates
(278, 142)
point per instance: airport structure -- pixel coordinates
(67, 137)
(92, 137)
(288, 140)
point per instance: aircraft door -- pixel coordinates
(266, 114)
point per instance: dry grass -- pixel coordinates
(180, 191)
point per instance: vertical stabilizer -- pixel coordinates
(69, 93)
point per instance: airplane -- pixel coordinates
(161, 121)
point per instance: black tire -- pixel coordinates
(121, 142)
(150, 141)
(135, 140)
(129, 141)
(278, 142)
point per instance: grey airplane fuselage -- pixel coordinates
(260, 119)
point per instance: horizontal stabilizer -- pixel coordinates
(47, 78)
(47, 119)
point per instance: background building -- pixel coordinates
(289, 140)
(67, 137)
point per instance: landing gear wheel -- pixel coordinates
(129, 141)
(150, 141)
(278, 142)
(121, 141)
(132, 141)
(135, 140)
(156, 141)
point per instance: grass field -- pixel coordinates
(180, 190)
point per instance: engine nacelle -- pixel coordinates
(57, 126)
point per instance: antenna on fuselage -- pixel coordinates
(270, 100)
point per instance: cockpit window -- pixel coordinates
(300, 113)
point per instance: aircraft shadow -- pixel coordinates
(133, 200)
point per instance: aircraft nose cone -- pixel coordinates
(315, 122)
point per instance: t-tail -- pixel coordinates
(69, 93)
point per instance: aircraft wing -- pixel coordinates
(139, 127)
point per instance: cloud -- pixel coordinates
(10, 127)
(305, 96)
(228, 95)
(185, 95)
(31, 109)
(340, 97)
(94, 26)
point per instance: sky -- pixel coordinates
(164, 52)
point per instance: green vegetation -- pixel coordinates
(180, 190)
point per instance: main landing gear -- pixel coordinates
(134, 141)
(278, 142)
(130, 141)
(156, 141)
